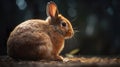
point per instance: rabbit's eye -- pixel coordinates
(63, 24)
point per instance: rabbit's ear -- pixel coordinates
(52, 10)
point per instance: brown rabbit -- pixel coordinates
(40, 39)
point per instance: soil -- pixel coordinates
(6, 61)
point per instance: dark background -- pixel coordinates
(97, 23)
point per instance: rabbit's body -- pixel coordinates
(39, 39)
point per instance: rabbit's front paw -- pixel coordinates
(59, 58)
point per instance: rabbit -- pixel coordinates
(37, 39)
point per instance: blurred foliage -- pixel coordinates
(98, 23)
(72, 53)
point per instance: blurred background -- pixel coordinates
(96, 23)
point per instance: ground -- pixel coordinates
(91, 61)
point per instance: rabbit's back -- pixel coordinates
(31, 25)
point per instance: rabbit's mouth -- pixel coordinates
(69, 35)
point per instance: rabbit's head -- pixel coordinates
(60, 23)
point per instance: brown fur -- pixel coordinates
(39, 39)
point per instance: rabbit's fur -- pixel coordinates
(37, 39)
